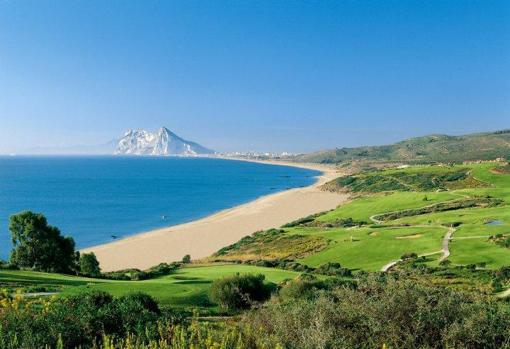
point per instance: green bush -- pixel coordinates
(138, 313)
(78, 321)
(396, 312)
(137, 274)
(333, 269)
(409, 255)
(240, 291)
(304, 287)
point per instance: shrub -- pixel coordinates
(397, 313)
(333, 269)
(303, 287)
(137, 274)
(502, 273)
(77, 321)
(162, 269)
(240, 291)
(138, 313)
(410, 255)
(445, 262)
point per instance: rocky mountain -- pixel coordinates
(162, 142)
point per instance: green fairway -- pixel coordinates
(23, 278)
(361, 209)
(185, 288)
(477, 251)
(370, 249)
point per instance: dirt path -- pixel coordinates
(504, 294)
(471, 237)
(375, 220)
(446, 244)
(39, 294)
(390, 265)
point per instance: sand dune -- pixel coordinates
(205, 236)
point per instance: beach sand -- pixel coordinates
(203, 237)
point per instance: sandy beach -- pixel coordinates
(203, 237)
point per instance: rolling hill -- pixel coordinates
(426, 149)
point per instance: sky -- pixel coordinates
(245, 75)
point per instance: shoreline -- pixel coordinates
(202, 237)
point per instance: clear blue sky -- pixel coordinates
(261, 75)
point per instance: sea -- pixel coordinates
(99, 199)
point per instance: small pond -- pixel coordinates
(496, 222)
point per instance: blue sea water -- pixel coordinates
(93, 198)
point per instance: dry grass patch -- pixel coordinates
(273, 244)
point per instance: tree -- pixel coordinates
(39, 246)
(89, 265)
(186, 259)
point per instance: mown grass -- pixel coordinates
(186, 288)
(371, 248)
(479, 250)
(361, 209)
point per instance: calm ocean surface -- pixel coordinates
(93, 198)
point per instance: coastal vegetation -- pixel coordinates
(378, 311)
(410, 179)
(271, 245)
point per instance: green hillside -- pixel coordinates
(432, 148)
(404, 211)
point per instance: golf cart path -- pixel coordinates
(445, 251)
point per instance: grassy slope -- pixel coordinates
(185, 288)
(371, 246)
(369, 249)
(463, 251)
(432, 148)
(364, 207)
(470, 243)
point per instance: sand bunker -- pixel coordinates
(413, 236)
